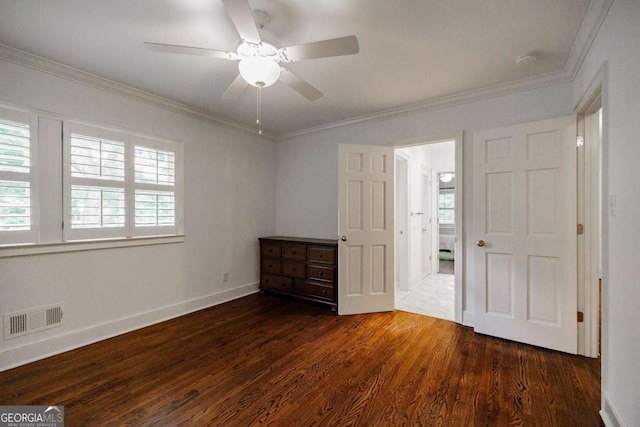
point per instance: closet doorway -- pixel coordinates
(426, 229)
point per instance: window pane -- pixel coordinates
(154, 166)
(97, 158)
(97, 207)
(155, 208)
(446, 216)
(15, 155)
(446, 200)
(15, 206)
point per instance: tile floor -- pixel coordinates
(433, 296)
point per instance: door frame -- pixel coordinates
(402, 191)
(591, 213)
(433, 220)
(459, 267)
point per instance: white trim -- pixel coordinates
(596, 14)
(468, 318)
(405, 282)
(22, 355)
(592, 246)
(610, 413)
(459, 272)
(128, 184)
(48, 66)
(591, 24)
(481, 94)
(21, 116)
(85, 245)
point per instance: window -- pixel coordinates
(155, 176)
(18, 192)
(118, 185)
(446, 207)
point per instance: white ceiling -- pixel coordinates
(411, 51)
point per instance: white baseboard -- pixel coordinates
(610, 414)
(79, 338)
(467, 318)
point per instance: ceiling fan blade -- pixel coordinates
(240, 13)
(236, 88)
(189, 50)
(299, 85)
(322, 49)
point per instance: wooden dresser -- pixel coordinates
(300, 267)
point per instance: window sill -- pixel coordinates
(85, 245)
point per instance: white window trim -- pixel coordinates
(9, 251)
(26, 236)
(453, 209)
(177, 188)
(130, 140)
(33, 243)
(69, 233)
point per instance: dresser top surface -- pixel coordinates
(300, 240)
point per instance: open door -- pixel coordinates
(366, 224)
(525, 233)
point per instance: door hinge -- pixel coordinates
(580, 317)
(580, 229)
(429, 257)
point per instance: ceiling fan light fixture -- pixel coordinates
(446, 177)
(259, 71)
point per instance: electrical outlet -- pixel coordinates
(225, 277)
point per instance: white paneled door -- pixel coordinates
(366, 224)
(525, 233)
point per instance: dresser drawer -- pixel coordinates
(317, 272)
(321, 255)
(270, 249)
(270, 265)
(276, 283)
(297, 252)
(315, 290)
(293, 269)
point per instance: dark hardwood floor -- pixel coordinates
(266, 360)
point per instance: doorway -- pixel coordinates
(590, 214)
(426, 228)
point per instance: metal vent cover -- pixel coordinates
(33, 320)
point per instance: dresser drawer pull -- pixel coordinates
(324, 292)
(321, 255)
(267, 280)
(319, 273)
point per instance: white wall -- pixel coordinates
(618, 45)
(229, 203)
(444, 156)
(307, 166)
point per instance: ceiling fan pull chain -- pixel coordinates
(259, 109)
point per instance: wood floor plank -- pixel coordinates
(266, 360)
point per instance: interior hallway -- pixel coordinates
(433, 296)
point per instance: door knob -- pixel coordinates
(480, 243)
(343, 238)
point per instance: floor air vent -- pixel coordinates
(34, 320)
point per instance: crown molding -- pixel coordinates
(596, 14)
(501, 89)
(58, 69)
(587, 33)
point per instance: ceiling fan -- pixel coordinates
(261, 59)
